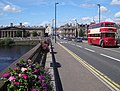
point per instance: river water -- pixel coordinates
(9, 54)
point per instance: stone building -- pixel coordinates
(11, 31)
(69, 30)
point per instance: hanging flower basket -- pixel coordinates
(28, 77)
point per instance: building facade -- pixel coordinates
(11, 31)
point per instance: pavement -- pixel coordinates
(73, 75)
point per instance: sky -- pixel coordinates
(41, 12)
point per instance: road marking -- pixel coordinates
(79, 46)
(103, 78)
(89, 50)
(110, 57)
(112, 50)
(72, 44)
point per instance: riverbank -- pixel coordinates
(26, 42)
(10, 42)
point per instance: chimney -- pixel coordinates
(11, 24)
(20, 24)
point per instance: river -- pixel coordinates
(9, 54)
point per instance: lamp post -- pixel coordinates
(76, 29)
(52, 28)
(55, 20)
(99, 11)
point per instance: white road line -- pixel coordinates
(79, 46)
(89, 50)
(72, 44)
(110, 57)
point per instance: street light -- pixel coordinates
(55, 20)
(52, 28)
(99, 11)
(76, 28)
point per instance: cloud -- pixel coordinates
(103, 9)
(11, 8)
(87, 5)
(115, 2)
(109, 19)
(117, 15)
(86, 20)
(26, 23)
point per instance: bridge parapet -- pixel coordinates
(34, 54)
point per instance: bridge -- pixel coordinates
(71, 70)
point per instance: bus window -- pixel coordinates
(110, 35)
(102, 35)
(110, 25)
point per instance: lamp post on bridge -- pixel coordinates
(99, 11)
(76, 28)
(55, 20)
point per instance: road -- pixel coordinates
(106, 60)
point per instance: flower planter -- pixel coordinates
(27, 77)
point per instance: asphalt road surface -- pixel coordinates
(106, 60)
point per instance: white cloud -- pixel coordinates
(26, 23)
(86, 18)
(104, 9)
(115, 2)
(11, 8)
(87, 5)
(117, 15)
(109, 19)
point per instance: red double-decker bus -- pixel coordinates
(102, 34)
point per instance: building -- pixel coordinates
(12, 31)
(69, 30)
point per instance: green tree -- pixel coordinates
(27, 34)
(81, 33)
(19, 33)
(35, 34)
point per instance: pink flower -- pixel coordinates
(6, 75)
(23, 69)
(20, 75)
(41, 77)
(24, 76)
(29, 60)
(11, 78)
(16, 83)
(35, 70)
(16, 68)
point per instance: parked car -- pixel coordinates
(69, 39)
(78, 39)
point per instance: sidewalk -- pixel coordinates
(75, 77)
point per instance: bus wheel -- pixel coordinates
(102, 44)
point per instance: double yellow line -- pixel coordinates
(111, 84)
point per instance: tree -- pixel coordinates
(19, 33)
(27, 34)
(81, 33)
(35, 34)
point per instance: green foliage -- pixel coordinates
(19, 33)
(27, 34)
(35, 34)
(81, 33)
(28, 77)
(6, 42)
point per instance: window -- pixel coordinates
(110, 34)
(94, 35)
(110, 25)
